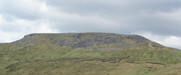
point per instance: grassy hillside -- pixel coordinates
(88, 54)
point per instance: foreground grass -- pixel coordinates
(50, 60)
(42, 57)
(92, 68)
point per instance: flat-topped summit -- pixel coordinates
(83, 40)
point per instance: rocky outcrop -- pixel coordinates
(84, 40)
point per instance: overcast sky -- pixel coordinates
(158, 20)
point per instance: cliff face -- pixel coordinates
(88, 54)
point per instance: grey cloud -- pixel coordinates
(14, 8)
(114, 6)
(127, 15)
(160, 26)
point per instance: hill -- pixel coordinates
(88, 54)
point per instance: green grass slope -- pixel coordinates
(88, 54)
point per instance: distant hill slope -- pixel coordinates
(88, 54)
